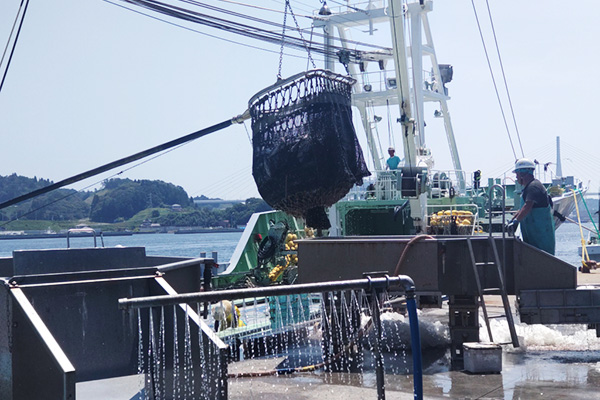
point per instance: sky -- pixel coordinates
(91, 82)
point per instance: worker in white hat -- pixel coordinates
(394, 160)
(535, 215)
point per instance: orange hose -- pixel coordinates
(405, 251)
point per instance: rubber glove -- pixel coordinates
(512, 225)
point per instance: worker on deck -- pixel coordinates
(535, 215)
(393, 161)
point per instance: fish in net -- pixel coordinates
(306, 155)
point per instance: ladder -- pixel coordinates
(500, 290)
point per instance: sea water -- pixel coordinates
(156, 244)
(568, 239)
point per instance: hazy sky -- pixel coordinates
(91, 82)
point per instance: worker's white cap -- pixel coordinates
(524, 165)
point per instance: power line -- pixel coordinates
(197, 31)
(258, 7)
(246, 30)
(487, 57)
(12, 51)
(504, 78)
(122, 161)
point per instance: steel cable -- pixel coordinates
(494, 81)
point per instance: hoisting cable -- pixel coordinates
(282, 41)
(512, 111)
(14, 45)
(289, 6)
(389, 124)
(494, 81)
(312, 30)
(126, 160)
(300, 33)
(377, 143)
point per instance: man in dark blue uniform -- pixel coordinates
(535, 215)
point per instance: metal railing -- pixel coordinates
(53, 371)
(83, 232)
(340, 325)
(387, 185)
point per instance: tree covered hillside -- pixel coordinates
(59, 205)
(118, 201)
(123, 198)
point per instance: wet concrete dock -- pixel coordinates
(524, 376)
(554, 362)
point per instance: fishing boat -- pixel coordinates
(404, 80)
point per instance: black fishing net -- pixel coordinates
(306, 154)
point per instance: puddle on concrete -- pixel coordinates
(554, 362)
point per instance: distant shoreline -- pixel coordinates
(207, 230)
(116, 233)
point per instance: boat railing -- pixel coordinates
(83, 232)
(383, 187)
(380, 81)
(444, 183)
(356, 6)
(387, 185)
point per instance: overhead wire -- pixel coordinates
(348, 5)
(14, 45)
(230, 12)
(218, 23)
(576, 161)
(197, 31)
(231, 183)
(238, 28)
(494, 80)
(258, 7)
(95, 183)
(299, 5)
(583, 163)
(543, 153)
(341, 17)
(504, 78)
